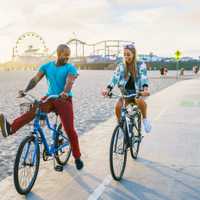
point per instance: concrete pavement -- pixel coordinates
(168, 166)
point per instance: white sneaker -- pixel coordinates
(147, 125)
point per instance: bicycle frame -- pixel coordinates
(38, 131)
(50, 149)
(125, 118)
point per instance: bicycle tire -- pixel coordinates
(16, 177)
(136, 137)
(57, 143)
(115, 176)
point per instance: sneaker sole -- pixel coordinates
(79, 168)
(3, 126)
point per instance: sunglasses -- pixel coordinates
(129, 46)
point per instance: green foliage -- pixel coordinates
(187, 65)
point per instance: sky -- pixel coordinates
(156, 26)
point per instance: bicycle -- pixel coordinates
(27, 161)
(126, 135)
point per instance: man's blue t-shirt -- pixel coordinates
(56, 76)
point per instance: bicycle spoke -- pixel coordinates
(24, 176)
(136, 138)
(63, 147)
(118, 152)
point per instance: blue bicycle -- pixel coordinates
(27, 159)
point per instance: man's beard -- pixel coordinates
(62, 61)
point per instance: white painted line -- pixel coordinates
(100, 189)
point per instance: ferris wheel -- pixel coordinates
(30, 43)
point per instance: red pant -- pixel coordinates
(64, 108)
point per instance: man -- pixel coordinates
(60, 76)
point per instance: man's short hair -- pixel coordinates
(62, 47)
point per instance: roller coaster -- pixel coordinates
(30, 47)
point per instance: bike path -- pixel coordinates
(168, 166)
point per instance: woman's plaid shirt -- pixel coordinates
(118, 77)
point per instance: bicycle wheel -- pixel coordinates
(26, 165)
(63, 154)
(118, 153)
(136, 136)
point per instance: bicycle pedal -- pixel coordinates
(58, 168)
(60, 141)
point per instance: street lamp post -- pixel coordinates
(151, 56)
(177, 56)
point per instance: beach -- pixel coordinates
(90, 107)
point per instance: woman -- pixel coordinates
(131, 77)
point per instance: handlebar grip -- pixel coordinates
(110, 94)
(21, 94)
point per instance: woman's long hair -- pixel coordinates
(131, 68)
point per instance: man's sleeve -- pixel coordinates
(43, 68)
(73, 71)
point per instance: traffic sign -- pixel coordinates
(177, 55)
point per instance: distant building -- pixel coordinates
(149, 58)
(168, 59)
(186, 59)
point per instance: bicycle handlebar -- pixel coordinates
(33, 99)
(110, 95)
